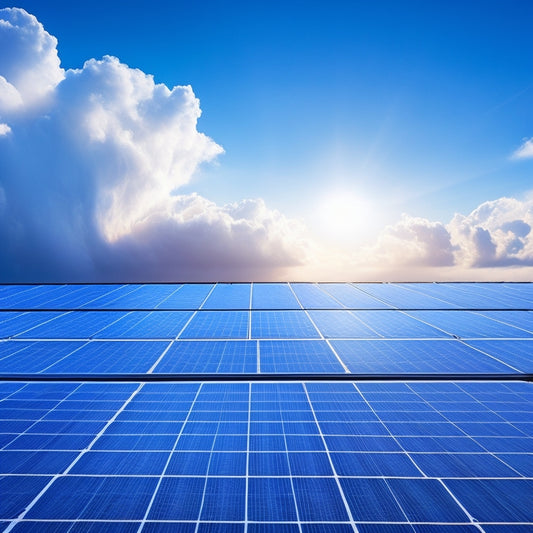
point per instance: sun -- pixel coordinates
(344, 217)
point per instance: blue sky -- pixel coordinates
(425, 99)
(405, 107)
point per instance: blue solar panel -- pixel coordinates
(274, 296)
(407, 356)
(229, 296)
(18, 357)
(395, 325)
(114, 357)
(351, 297)
(298, 356)
(313, 296)
(73, 325)
(146, 325)
(282, 324)
(466, 324)
(210, 357)
(403, 296)
(342, 324)
(24, 322)
(187, 297)
(330, 454)
(217, 325)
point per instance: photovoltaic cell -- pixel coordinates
(146, 325)
(113, 357)
(210, 357)
(25, 322)
(344, 324)
(217, 325)
(280, 455)
(411, 357)
(28, 357)
(282, 324)
(396, 325)
(187, 297)
(515, 353)
(401, 297)
(298, 356)
(72, 325)
(229, 296)
(351, 297)
(274, 296)
(312, 296)
(466, 324)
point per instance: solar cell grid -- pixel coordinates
(351, 297)
(312, 296)
(217, 325)
(229, 296)
(274, 296)
(261, 456)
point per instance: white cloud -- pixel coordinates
(496, 235)
(525, 151)
(91, 158)
(29, 65)
(413, 242)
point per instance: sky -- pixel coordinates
(190, 141)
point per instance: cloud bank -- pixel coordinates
(495, 241)
(91, 159)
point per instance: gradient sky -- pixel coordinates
(411, 107)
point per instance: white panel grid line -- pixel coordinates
(491, 356)
(165, 468)
(246, 491)
(394, 437)
(160, 358)
(69, 468)
(207, 297)
(134, 289)
(321, 288)
(60, 314)
(26, 431)
(494, 454)
(354, 314)
(429, 296)
(332, 466)
(63, 358)
(169, 296)
(290, 476)
(356, 287)
(470, 517)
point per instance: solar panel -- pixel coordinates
(311, 408)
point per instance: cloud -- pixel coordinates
(92, 159)
(497, 234)
(31, 70)
(525, 151)
(414, 242)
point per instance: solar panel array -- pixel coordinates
(305, 407)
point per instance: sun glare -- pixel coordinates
(344, 217)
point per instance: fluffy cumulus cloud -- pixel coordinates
(91, 162)
(490, 241)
